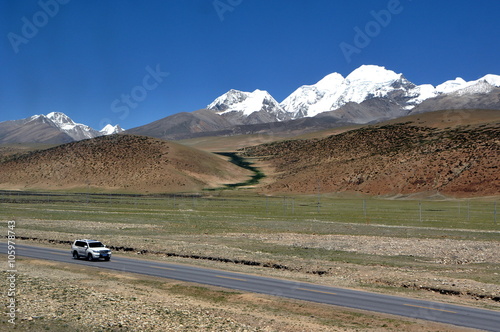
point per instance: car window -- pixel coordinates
(95, 244)
(79, 243)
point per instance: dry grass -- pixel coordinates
(120, 163)
(61, 297)
(401, 158)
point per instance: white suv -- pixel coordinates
(90, 249)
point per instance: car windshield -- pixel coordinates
(95, 244)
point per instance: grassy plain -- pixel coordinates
(440, 249)
(225, 211)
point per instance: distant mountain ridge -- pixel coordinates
(368, 94)
(369, 82)
(53, 128)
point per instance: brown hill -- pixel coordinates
(183, 125)
(426, 154)
(119, 162)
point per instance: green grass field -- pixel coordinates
(239, 212)
(307, 235)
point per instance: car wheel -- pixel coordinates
(75, 255)
(90, 257)
(107, 258)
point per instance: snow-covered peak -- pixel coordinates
(39, 117)
(491, 79)
(452, 85)
(34, 117)
(222, 103)
(371, 81)
(334, 91)
(77, 131)
(330, 82)
(62, 120)
(480, 86)
(110, 129)
(420, 93)
(373, 74)
(244, 102)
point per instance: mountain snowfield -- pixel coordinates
(334, 91)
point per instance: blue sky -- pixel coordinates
(84, 58)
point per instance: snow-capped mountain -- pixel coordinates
(77, 131)
(335, 91)
(368, 94)
(110, 130)
(369, 82)
(54, 127)
(240, 107)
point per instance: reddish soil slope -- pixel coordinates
(396, 158)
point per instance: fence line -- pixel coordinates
(449, 213)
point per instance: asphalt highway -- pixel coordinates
(464, 316)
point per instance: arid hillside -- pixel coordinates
(454, 153)
(119, 162)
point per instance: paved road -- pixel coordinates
(432, 311)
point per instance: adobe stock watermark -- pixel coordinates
(150, 81)
(363, 37)
(30, 27)
(11, 272)
(223, 6)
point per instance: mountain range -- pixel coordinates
(367, 95)
(53, 128)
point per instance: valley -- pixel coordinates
(250, 166)
(405, 207)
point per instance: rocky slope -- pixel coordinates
(398, 158)
(479, 96)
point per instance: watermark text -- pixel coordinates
(138, 93)
(223, 6)
(11, 271)
(31, 27)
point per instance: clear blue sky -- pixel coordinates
(81, 57)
